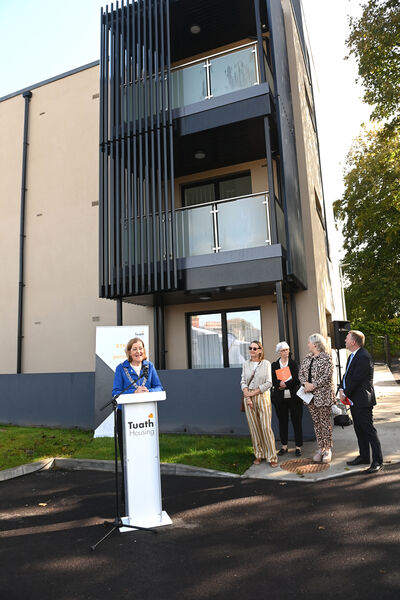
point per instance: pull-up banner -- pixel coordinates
(110, 352)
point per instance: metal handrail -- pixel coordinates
(197, 61)
(211, 56)
(265, 193)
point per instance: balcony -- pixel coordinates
(231, 224)
(195, 81)
(216, 75)
(210, 228)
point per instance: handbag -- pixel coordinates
(343, 420)
(242, 409)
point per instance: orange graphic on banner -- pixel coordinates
(150, 415)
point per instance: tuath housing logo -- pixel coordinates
(142, 427)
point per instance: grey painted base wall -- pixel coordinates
(198, 401)
(48, 399)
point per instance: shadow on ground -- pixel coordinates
(230, 538)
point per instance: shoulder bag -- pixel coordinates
(242, 409)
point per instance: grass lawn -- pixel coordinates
(20, 445)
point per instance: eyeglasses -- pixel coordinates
(254, 348)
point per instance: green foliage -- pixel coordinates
(374, 41)
(369, 212)
(374, 332)
(21, 445)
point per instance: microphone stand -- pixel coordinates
(117, 522)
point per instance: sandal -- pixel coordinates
(273, 463)
(257, 461)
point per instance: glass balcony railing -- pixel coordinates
(232, 224)
(216, 75)
(195, 81)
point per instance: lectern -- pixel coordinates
(141, 460)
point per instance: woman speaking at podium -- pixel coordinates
(136, 372)
(134, 375)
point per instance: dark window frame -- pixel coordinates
(216, 181)
(224, 330)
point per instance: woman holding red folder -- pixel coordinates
(285, 382)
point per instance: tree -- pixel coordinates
(374, 40)
(370, 214)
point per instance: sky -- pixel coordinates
(43, 38)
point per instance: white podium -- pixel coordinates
(143, 502)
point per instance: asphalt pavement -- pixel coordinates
(269, 534)
(230, 539)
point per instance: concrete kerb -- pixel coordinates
(82, 464)
(41, 465)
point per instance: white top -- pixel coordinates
(137, 368)
(262, 378)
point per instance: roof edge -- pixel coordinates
(50, 80)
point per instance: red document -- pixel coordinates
(283, 374)
(347, 401)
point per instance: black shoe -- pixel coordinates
(374, 468)
(282, 451)
(298, 452)
(359, 460)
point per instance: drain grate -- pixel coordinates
(303, 465)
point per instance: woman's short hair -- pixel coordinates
(129, 348)
(282, 346)
(319, 342)
(260, 346)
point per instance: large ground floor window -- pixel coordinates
(221, 338)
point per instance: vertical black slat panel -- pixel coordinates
(146, 145)
(164, 145)
(135, 117)
(171, 153)
(117, 198)
(140, 143)
(112, 154)
(129, 87)
(271, 186)
(152, 159)
(156, 353)
(158, 90)
(280, 309)
(294, 326)
(260, 47)
(106, 155)
(101, 160)
(224, 331)
(122, 103)
(161, 321)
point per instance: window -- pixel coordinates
(217, 189)
(221, 339)
(319, 209)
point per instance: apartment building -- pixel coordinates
(204, 217)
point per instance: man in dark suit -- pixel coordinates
(357, 385)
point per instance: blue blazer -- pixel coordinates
(121, 381)
(360, 380)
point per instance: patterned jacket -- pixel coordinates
(262, 378)
(321, 377)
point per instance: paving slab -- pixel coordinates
(345, 448)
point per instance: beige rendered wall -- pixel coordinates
(175, 328)
(11, 141)
(61, 304)
(313, 303)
